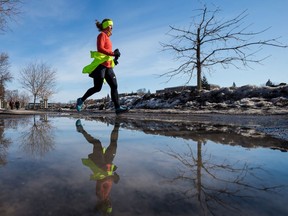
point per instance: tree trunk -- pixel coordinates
(199, 167)
(34, 102)
(199, 83)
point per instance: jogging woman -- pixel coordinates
(102, 66)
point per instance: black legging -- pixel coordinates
(98, 76)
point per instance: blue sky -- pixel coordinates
(61, 33)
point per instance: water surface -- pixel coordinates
(65, 166)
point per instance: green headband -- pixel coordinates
(107, 23)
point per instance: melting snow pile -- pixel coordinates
(247, 99)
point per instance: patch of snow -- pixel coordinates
(246, 99)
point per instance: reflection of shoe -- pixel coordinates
(79, 126)
(78, 123)
(121, 109)
(79, 104)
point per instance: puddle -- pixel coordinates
(50, 166)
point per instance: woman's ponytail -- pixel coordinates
(99, 25)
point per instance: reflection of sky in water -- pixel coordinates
(159, 175)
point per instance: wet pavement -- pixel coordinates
(150, 164)
(275, 125)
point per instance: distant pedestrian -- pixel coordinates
(11, 104)
(17, 105)
(102, 66)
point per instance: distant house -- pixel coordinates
(41, 105)
(177, 89)
(183, 88)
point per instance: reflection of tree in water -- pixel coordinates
(216, 185)
(220, 187)
(4, 143)
(7, 123)
(38, 139)
(14, 122)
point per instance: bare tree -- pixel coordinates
(5, 75)
(11, 95)
(8, 10)
(209, 42)
(39, 79)
(24, 99)
(16, 95)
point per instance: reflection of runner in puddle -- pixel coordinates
(100, 162)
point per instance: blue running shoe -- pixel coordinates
(121, 109)
(79, 104)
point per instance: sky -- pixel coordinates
(61, 34)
